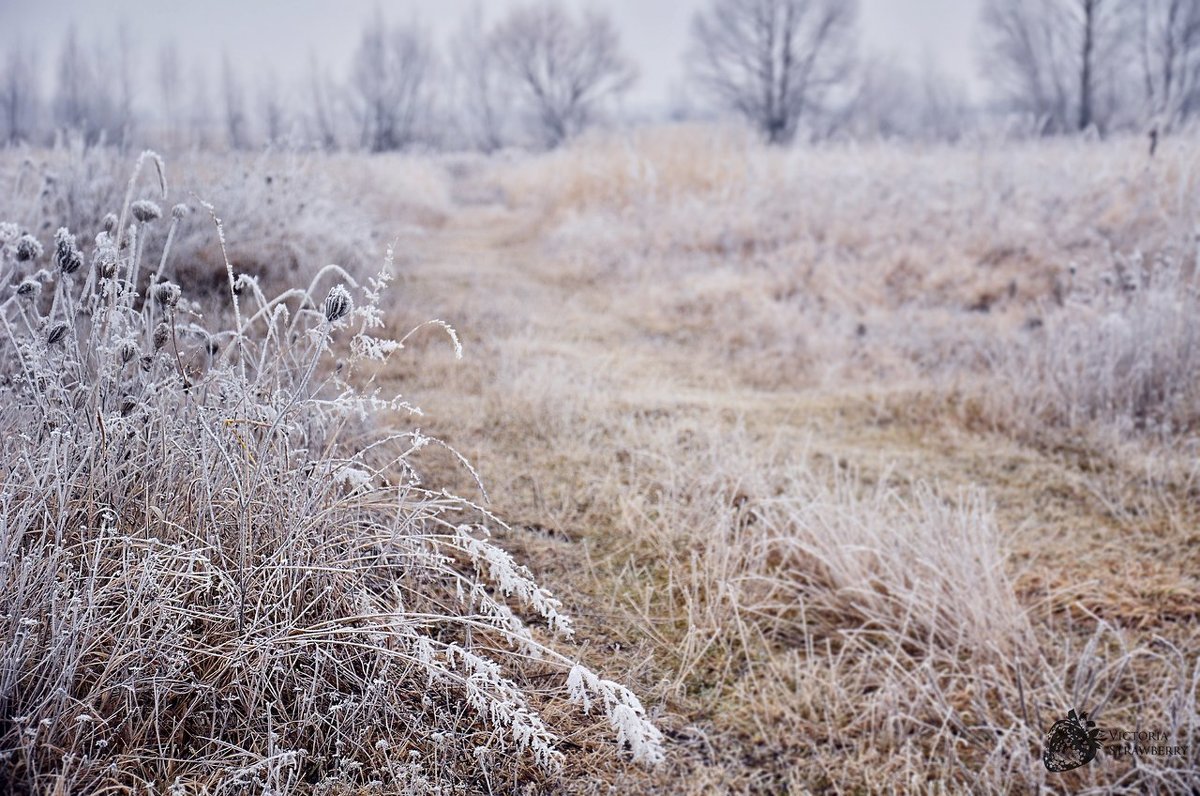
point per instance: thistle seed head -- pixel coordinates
(337, 303)
(162, 333)
(127, 352)
(167, 295)
(28, 248)
(57, 333)
(104, 258)
(66, 254)
(110, 222)
(29, 288)
(240, 283)
(106, 266)
(145, 211)
(179, 211)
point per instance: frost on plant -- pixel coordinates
(212, 544)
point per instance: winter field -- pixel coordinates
(843, 468)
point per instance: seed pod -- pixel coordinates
(71, 261)
(66, 254)
(128, 404)
(337, 303)
(57, 333)
(28, 248)
(127, 352)
(162, 333)
(145, 211)
(28, 288)
(179, 211)
(167, 294)
(212, 346)
(110, 223)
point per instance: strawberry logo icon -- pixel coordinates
(1071, 743)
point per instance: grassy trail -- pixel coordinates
(559, 388)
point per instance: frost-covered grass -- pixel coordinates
(859, 464)
(840, 448)
(218, 569)
(817, 265)
(1122, 356)
(283, 212)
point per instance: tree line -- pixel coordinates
(541, 74)
(1102, 64)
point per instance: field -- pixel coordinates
(859, 465)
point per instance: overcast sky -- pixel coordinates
(279, 34)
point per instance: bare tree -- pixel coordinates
(482, 96)
(564, 68)
(1169, 57)
(392, 75)
(234, 105)
(1089, 12)
(124, 117)
(891, 100)
(18, 94)
(1051, 58)
(169, 79)
(884, 103)
(773, 61)
(274, 108)
(200, 112)
(83, 99)
(946, 113)
(320, 120)
(73, 99)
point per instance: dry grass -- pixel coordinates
(284, 216)
(220, 573)
(795, 433)
(860, 465)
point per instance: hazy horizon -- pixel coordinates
(278, 37)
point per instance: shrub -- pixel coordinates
(217, 572)
(281, 212)
(1121, 356)
(869, 630)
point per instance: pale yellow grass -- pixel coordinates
(738, 407)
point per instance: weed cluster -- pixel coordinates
(216, 571)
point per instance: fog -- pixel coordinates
(274, 35)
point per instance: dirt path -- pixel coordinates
(553, 375)
(1050, 504)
